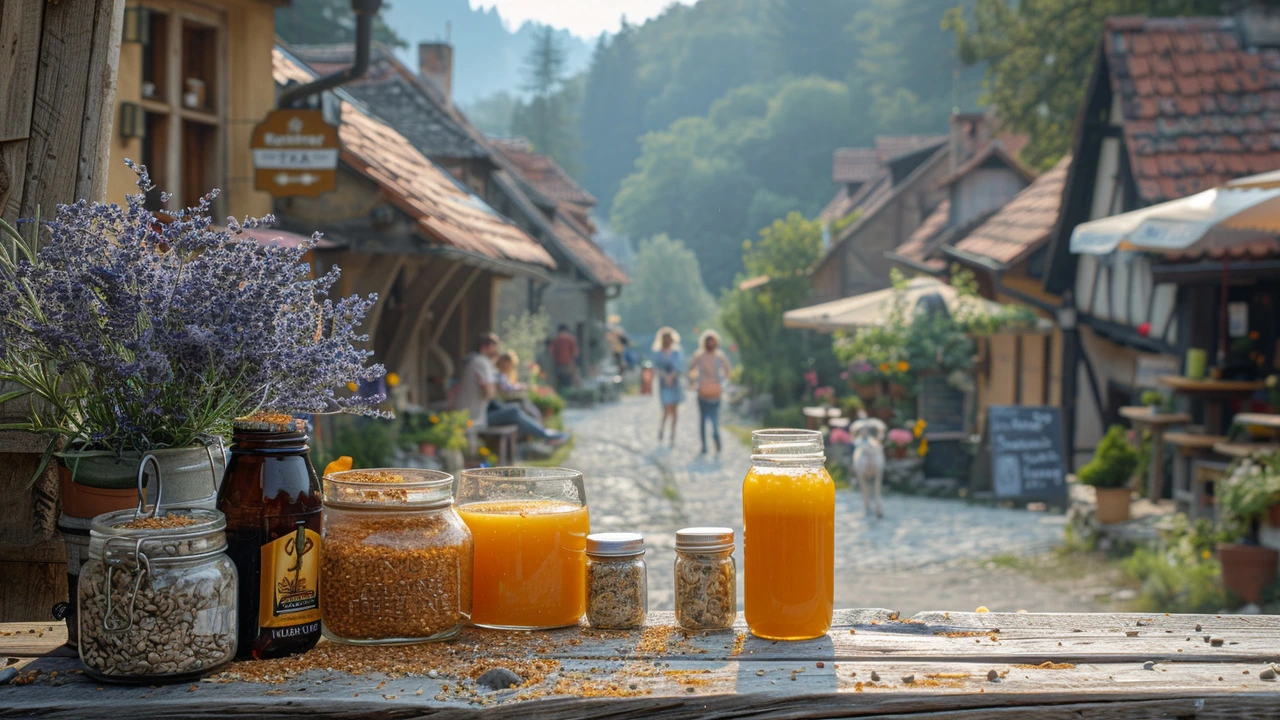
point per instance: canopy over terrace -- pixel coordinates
(870, 309)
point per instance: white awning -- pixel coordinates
(870, 309)
(1221, 216)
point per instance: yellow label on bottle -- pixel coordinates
(290, 592)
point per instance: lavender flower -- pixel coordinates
(137, 334)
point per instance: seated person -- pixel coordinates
(510, 389)
(477, 394)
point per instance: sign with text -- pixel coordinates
(295, 152)
(1027, 460)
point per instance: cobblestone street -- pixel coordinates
(926, 554)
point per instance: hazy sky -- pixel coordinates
(585, 18)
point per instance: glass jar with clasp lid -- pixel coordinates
(395, 558)
(157, 597)
(706, 579)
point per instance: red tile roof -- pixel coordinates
(543, 173)
(921, 244)
(993, 150)
(577, 241)
(855, 165)
(1022, 225)
(1198, 109)
(445, 210)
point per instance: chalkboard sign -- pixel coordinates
(1027, 461)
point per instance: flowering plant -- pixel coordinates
(444, 430)
(825, 394)
(546, 399)
(125, 334)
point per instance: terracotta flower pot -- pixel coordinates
(1247, 569)
(1113, 504)
(897, 391)
(85, 502)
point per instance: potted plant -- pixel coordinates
(851, 406)
(128, 337)
(1250, 490)
(1154, 400)
(864, 380)
(1109, 472)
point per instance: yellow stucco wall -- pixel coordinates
(249, 93)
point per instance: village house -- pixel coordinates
(402, 227)
(524, 186)
(1173, 107)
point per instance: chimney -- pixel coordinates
(970, 132)
(1260, 23)
(435, 65)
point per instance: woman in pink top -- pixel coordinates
(709, 370)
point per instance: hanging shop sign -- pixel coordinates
(295, 152)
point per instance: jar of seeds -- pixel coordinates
(157, 596)
(395, 558)
(706, 579)
(617, 583)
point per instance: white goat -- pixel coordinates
(868, 459)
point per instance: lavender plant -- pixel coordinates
(127, 334)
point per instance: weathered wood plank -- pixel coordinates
(692, 689)
(58, 113)
(99, 116)
(20, 25)
(13, 159)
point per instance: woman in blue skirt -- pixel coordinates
(669, 366)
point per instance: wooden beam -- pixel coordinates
(99, 108)
(419, 300)
(443, 319)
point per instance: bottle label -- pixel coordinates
(290, 593)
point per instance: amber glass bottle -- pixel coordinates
(271, 497)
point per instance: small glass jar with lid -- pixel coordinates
(395, 559)
(157, 597)
(617, 581)
(706, 579)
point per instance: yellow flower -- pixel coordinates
(1205, 554)
(903, 366)
(884, 367)
(433, 419)
(393, 379)
(918, 428)
(484, 451)
(471, 423)
(352, 387)
(924, 447)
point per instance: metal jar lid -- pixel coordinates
(615, 544)
(704, 539)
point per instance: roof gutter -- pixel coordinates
(365, 11)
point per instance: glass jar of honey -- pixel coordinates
(788, 539)
(395, 560)
(530, 528)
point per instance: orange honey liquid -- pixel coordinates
(788, 539)
(530, 562)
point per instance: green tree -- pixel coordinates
(773, 357)
(326, 22)
(547, 120)
(492, 114)
(809, 38)
(666, 289)
(1039, 54)
(612, 115)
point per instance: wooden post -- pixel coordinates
(58, 66)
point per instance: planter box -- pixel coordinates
(1247, 570)
(1112, 504)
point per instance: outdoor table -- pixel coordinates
(1188, 490)
(1240, 450)
(871, 664)
(816, 416)
(1213, 393)
(1141, 415)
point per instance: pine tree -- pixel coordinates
(612, 114)
(326, 22)
(547, 120)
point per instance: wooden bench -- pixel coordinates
(954, 665)
(501, 439)
(1188, 489)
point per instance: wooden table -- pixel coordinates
(1141, 415)
(816, 416)
(1240, 450)
(1188, 493)
(871, 664)
(1213, 393)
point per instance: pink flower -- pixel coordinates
(811, 377)
(900, 436)
(841, 436)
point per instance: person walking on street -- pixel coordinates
(669, 365)
(709, 369)
(564, 355)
